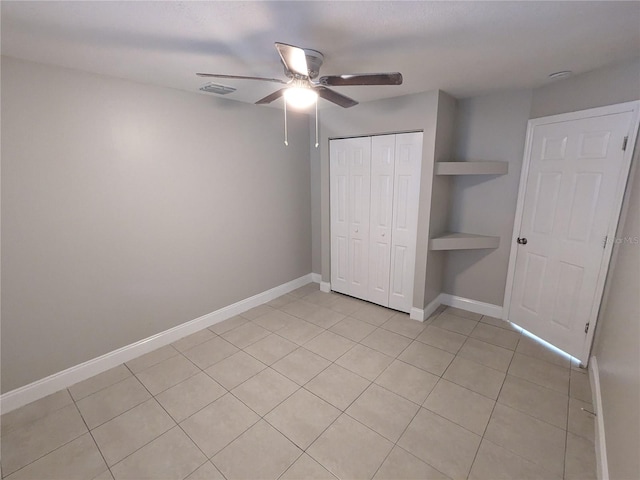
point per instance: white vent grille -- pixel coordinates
(217, 88)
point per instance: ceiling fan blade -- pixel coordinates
(393, 78)
(271, 97)
(240, 77)
(294, 58)
(335, 97)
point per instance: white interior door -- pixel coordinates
(577, 170)
(350, 198)
(406, 200)
(383, 150)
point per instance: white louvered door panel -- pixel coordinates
(382, 167)
(406, 198)
(574, 173)
(350, 163)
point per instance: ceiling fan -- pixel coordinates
(302, 67)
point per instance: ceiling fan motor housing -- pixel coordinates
(314, 62)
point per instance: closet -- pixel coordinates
(374, 200)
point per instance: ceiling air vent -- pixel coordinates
(216, 88)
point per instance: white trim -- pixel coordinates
(325, 287)
(469, 305)
(422, 314)
(564, 117)
(417, 314)
(601, 445)
(316, 278)
(53, 383)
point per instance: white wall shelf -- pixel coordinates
(471, 168)
(463, 241)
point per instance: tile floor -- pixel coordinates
(313, 386)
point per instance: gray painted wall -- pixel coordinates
(491, 127)
(128, 209)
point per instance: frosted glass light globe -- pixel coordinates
(300, 97)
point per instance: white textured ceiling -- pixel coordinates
(464, 48)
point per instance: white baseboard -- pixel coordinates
(422, 314)
(325, 287)
(601, 445)
(316, 278)
(471, 305)
(53, 383)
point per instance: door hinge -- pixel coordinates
(624, 143)
(586, 327)
(604, 241)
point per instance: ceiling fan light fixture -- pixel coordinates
(300, 97)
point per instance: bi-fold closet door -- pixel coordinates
(375, 188)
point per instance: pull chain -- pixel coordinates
(317, 124)
(286, 142)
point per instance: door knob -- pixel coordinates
(356, 230)
(383, 234)
(522, 241)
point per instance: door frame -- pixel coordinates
(633, 107)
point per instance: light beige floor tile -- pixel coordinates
(479, 378)
(125, 434)
(324, 318)
(497, 322)
(228, 417)
(541, 373)
(463, 313)
(260, 452)
(301, 365)
(337, 386)
(442, 444)
(305, 290)
(486, 354)
(580, 388)
(400, 464)
(460, 405)
(274, 320)
(152, 358)
(454, 323)
(401, 324)
(442, 339)
(106, 475)
(100, 381)
(167, 373)
(302, 417)
(256, 312)
(112, 401)
(329, 345)
(229, 324)
(189, 396)
(528, 437)
(580, 460)
(426, 357)
(373, 314)
(540, 402)
(365, 361)
(383, 411)
(497, 463)
(35, 410)
(79, 459)
(192, 340)
(31, 441)
(207, 471)
(347, 305)
(306, 468)
(581, 423)
(300, 309)
(353, 329)
(271, 349)
(171, 455)
(264, 391)
(300, 332)
(234, 370)
(348, 449)
(533, 348)
(211, 352)
(322, 299)
(245, 335)
(496, 336)
(387, 342)
(282, 300)
(407, 381)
